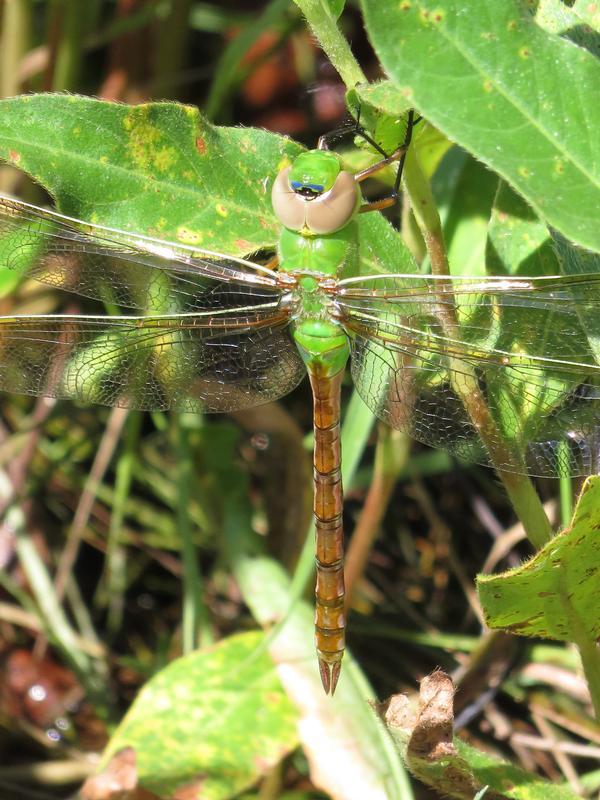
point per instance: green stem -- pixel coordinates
(14, 42)
(325, 28)
(519, 488)
(590, 659)
(72, 19)
(193, 610)
(172, 45)
(116, 576)
(391, 456)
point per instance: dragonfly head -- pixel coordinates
(314, 195)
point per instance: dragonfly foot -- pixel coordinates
(330, 674)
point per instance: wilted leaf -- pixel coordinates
(422, 731)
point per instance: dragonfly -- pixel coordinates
(499, 370)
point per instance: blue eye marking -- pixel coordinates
(317, 187)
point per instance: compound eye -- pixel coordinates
(334, 209)
(289, 207)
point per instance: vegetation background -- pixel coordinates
(118, 546)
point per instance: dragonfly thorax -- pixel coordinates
(315, 196)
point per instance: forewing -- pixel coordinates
(427, 353)
(192, 362)
(116, 266)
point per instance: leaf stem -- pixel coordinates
(71, 24)
(115, 568)
(329, 36)
(192, 582)
(519, 488)
(590, 660)
(172, 46)
(391, 456)
(14, 42)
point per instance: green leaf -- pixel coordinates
(336, 7)
(382, 95)
(466, 221)
(158, 169)
(518, 241)
(556, 17)
(589, 12)
(492, 80)
(162, 170)
(557, 593)
(382, 249)
(218, 717)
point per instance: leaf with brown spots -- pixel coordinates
(210, 724)
(557, 593)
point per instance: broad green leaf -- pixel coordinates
(162, 170)
(492, 80)
(518, 241)
(382, 249)
(589, 12)
(557, 593)
(159, 169)
(217, 718)
(556, 17)
(373, 100)
(466, 222)
(519, 244)
(422, 731)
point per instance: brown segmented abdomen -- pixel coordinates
(330, 620)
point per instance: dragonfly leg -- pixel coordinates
(398, 155)
(272, 263)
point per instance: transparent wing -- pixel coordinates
(116, 266)
(187, 362)
(498, 370)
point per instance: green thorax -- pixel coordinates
(320, 339)
(334, 254)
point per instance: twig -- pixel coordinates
(519, 488)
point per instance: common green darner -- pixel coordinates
(502, 370)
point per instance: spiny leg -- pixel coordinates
(398, 155)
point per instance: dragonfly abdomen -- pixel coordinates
(330, 619)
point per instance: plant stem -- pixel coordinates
(72, 20)
(14, 41)
(329, 36)
(171, 47)
(391, 456)
(192, 580)
(519, 488)
(590, 659)
(115, 574)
